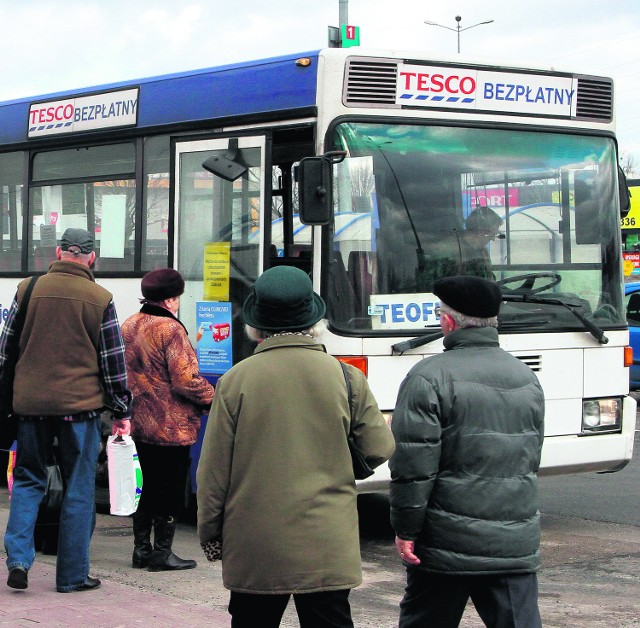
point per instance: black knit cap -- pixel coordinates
(471, 296)
(283, 299)
(161, 284)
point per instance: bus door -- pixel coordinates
(219, 198)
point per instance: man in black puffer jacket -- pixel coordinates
(468, 426)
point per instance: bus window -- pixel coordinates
(155, 250)
(406, 196)
(11, 165)
(291, 241)
(214, 212)
(106, 207)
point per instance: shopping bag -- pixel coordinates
(11, 465)
(125, 475)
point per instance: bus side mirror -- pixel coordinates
(315, 187)
(228, 165)
(625, 193)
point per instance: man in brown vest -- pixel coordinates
(70, 368)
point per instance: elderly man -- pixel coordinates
(70, 367)
(468, 426)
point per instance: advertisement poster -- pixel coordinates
(213, 340)
(217, 257)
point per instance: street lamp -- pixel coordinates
(457, 29)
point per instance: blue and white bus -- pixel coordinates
(200, 171)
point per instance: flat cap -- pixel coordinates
(76, 241)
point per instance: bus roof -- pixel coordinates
(275, 84)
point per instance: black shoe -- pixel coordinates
(18, 578)
(168, 561)
(88, 585)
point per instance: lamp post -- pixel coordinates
(457, 30)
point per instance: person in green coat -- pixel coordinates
(276, 490)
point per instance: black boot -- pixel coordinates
(162, 558)
(142, 522)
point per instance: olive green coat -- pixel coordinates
(275, 477)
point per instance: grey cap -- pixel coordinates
(76, 241)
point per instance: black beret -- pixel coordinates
(471, 296)
(164, 283)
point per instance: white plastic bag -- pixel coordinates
(125, 475)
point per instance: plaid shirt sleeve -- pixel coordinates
(8, 333)
(112, 365)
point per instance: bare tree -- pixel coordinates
(628, 164)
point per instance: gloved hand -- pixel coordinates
(212, 549)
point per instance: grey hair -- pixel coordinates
(462, 320)
(82, 258)
(260, 334)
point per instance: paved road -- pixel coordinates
(589, 579)
(590, 576)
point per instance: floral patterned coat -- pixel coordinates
(169, 395)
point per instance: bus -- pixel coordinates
(362, 168)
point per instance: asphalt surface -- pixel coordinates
(589, 579)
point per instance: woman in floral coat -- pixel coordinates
(169, 398)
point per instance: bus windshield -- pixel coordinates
(536, 211)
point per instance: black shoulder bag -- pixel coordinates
(13, 352)
(361, 468)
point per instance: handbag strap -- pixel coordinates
(21, 315)
(349, 394)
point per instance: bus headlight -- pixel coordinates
(601, 415)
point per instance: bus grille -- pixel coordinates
(370, 83)
(534, 362)
(595, 99)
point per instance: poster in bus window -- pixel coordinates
(213, 339)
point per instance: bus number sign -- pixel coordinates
(350, 35)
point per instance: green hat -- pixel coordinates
(283, 299)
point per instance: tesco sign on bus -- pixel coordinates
(84, 113)
(468, 88)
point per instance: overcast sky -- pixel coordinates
(53, 45)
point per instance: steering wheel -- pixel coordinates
(528, 282)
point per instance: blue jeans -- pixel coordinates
(78, 447)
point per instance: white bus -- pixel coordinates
(361, 168)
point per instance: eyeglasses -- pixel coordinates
(437, 310)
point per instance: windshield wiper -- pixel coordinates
(405, 345)
(591, 327)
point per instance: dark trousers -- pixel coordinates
(326, 609)
(164, 474)
(438, 601)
